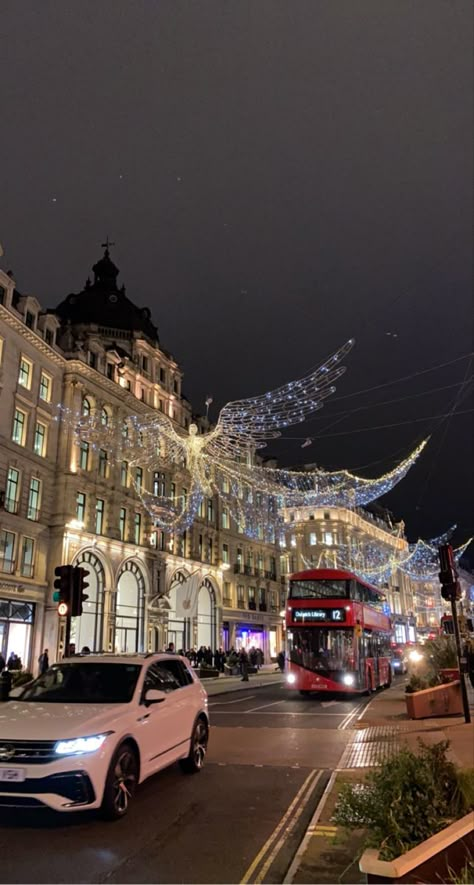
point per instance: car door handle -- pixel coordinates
(141, 718)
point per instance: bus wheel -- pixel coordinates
(304, 694)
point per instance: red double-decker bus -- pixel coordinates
(338, 636)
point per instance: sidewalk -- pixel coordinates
(383, 728)
(223, 684)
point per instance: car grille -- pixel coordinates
(27, 752)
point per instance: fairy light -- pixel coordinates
(221, 462)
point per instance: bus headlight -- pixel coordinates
(291, 678)
(415, 656)
(348, 679)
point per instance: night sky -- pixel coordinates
(278, 176)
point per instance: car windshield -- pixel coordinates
(84, 683)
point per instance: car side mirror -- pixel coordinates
(154, 696)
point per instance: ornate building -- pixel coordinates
(331, 537)
(210, 586)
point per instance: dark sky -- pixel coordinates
(278, 177)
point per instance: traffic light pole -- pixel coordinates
(67, 635)
(462, 675)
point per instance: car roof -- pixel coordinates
(109, 658)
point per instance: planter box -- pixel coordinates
(434, 860)
(449, 674)
(442, 700)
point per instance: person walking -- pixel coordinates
(244, 665)
(2, 662)
(43, 662)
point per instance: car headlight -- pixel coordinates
(75, 746)
(415, 655)
(291, 678)
(348, 679)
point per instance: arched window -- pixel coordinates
(87, 630)
(129, 609)
(104, 416)
(86, 406)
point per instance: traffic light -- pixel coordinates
(63, 589)
(448, 577)
(78, 596)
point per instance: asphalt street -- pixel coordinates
(241, 819)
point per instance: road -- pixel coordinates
(270, 756)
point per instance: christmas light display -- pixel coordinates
(222, 461)
(376, 563)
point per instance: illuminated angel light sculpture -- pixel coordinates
(419, 561)
(222, 461)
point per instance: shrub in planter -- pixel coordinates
(207, 672)
(410, 798)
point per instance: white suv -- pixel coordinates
(85, 733)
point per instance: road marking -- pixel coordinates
(301, 799)
(329, 703)
(349, 718)
(306, 838)
(274, 713)
(253, 709)
(238, 701)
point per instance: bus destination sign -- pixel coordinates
(312, 615)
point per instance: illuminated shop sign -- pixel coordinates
(311, 615)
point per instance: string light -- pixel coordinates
(222, 461)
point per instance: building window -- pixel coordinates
(328, 538)
(34, 499)
(200, 547)
(110, 371)
(173, 491)
(327, 514)
(84, 455)
(252, 602)
(7, 551)
(145, 365)
(159, 484)
(39, 444)
(49, 337)
(139, 478)
(93, 359)
(103, 464)
(210, 510)
(81, 507)
(313, 539)
(30, 319)
(225, 519)
(225, 553)
(25, 373)
(122, 523)
(45, 387)
(209, 550)
(240, 596)
(27, 557)
(99, 516)
(137, 528)
(12, 491)
(227, 600)
(86, 407)
(124, 473)
(19, 427)
(282, 541)
(104, 417)
(293, 540)
(162, 376)
(3, 292)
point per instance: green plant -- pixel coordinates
(441, 653)
(465, 877)
(21, 677)
(419, 683)
(410, 798)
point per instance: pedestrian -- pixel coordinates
(14, 662)
(85, 650)
(2, 662)
(170, 649)
(43, 662)
(244, 665)
(281, 660)
(260, 658)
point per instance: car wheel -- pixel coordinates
(198, 749)
(121, 782)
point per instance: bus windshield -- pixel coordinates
(322, 589)
(321, 648)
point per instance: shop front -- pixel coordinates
(17, 619)
(238, 633)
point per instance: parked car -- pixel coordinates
(399, 662)
(89, 730)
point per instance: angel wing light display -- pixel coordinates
(222, 461)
